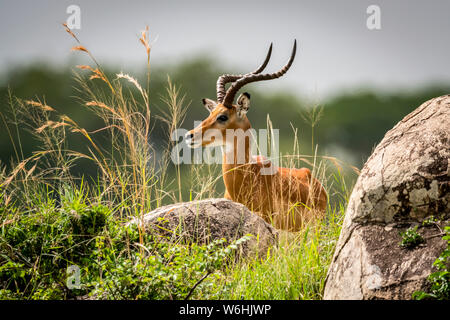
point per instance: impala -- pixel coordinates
(288, 197)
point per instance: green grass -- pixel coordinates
(38, 244)
(296, 269)
(51, 220)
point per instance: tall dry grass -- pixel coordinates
(131, 176)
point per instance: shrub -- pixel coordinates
(41, 244)
(411, 238)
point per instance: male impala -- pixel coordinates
(288, 197)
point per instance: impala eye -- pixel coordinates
(222, 118)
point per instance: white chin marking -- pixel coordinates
(191, 144)
(194, 145)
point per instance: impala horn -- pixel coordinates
(251, 77)
(226, 78)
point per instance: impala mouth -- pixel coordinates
(191, 143)
(201, 141)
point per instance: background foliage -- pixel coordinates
(351, 123)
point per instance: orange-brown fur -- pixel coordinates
(288, 198)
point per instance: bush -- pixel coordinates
(115, 261)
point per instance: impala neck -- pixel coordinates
(236, 154)
(234, 170)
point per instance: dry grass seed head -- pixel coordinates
(70, 32)
(39, 105)
(79, 48)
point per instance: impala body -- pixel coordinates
(287, 197)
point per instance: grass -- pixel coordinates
(39, 245)
(296, 269)
(41, 242)
(51, 220)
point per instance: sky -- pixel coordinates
(337, 51)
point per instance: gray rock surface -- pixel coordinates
(405, 180)
(207, 220)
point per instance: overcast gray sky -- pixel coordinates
(336, 49)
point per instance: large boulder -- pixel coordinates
(207, 220)
(405, 180)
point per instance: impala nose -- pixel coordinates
(189, 138)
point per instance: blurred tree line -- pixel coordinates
(350, 125)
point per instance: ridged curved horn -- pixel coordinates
(226, 78)
(238, 84)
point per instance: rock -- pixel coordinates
(207, 220)
(405, 180)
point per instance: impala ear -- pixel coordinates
(209, 104)
(243, 103)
